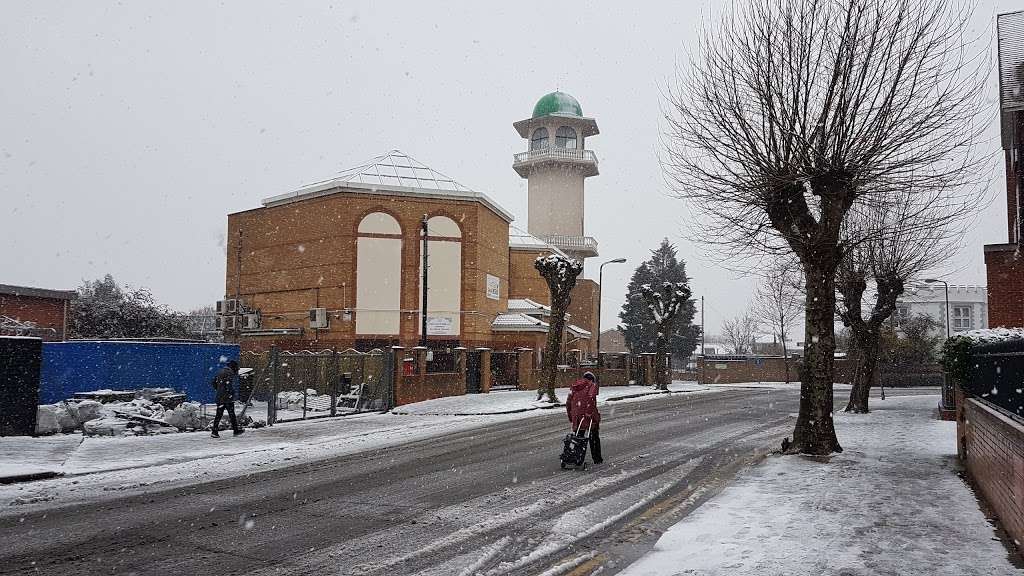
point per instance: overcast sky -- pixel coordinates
(129, 131)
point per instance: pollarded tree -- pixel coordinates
(638, 325)
(560, 273)
(740, 331)
(795, 113)
(665, 304)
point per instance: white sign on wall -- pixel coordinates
(439, 326)
(493, 287)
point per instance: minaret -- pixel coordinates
(555, 165)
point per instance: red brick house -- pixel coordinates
(1004, 262)
(34, 311)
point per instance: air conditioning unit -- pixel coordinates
(227, 323)
(318, 318)
(251, 321)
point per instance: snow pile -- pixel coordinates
(294, 399)
(891, 503)
(989, 335)
(186, 416)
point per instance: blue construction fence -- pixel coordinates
(83, 366)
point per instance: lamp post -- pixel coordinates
(600, 290)
(948, 400)
(945, 287)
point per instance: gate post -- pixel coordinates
(460, 364)
(525, 366)
(485, 370)
(396, 372)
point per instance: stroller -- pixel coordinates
(574, 449)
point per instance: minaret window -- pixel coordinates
(539, 140)
(565, 137)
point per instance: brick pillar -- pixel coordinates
(460, 365)
(628, 366)
(485, 370)
(526, 372)
(648, 359)
(420, 353)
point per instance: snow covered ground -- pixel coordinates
(891, 503)
(92, 467)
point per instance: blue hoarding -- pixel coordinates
(82, 366)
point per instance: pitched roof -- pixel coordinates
(9, 290)
(518, 322)
(527, 306)
(392, 173)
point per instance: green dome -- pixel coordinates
(557, 103)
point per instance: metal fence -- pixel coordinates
(301, 385)
(997, 375)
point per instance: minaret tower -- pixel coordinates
(555, 164)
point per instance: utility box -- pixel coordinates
(20, 363)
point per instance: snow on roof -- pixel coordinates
(578, 332)
(518, 322)
(391, 173)
(519, 239)
(527, 306)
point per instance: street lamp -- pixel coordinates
(948, 401)
(946, 288)
(600, 289)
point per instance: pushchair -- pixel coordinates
(574, 449)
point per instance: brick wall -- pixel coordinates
(45, 312)
(1005, 269)
(290, 257)
(760, 370)
(991, 445)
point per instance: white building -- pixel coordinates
(968, 305)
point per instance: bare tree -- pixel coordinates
(560, 273)
(740, 331)
(779, 302)
(894, 250)
(665, 304)
(796, 113)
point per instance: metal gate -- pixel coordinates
(504, 371)
(473, 372)
(301, 385)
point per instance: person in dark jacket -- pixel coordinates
(224, 383)
(581, 406)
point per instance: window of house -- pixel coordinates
(565, 137)
(539, 140)
(902, 313)
(962, 317)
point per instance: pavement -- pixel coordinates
(484, 499)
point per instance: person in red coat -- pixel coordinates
(581, 406)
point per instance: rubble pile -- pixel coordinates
(111, 413)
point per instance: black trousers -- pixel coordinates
(595, 444)
(230, 406)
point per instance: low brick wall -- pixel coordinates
(420, 387)
(566, 376)
(991, 445)
(712, 371)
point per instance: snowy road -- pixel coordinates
(488, 500)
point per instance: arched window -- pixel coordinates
(565, 137)
(444, 281)
(539, 140)
(378, 275)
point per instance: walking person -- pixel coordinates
(581, 406)
(224, 383)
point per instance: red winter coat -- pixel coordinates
(581, 405)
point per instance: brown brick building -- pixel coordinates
(1005, 262)
(34, 311)
(352, 247)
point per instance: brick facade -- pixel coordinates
(991, 445)
(713, 371)
(1005, 270)
(47, 309)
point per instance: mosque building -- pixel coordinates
(338, 264)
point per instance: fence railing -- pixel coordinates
(300, 385)
(555, 152)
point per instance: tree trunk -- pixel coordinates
(867, 360)
(815, 432)
(785, 351)
(660, 351)
(552, 350)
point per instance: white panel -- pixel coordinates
(444, 285)
(379, 223)
(443, 226)
(378, 285)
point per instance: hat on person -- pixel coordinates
(590, 376)
(232, 364)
